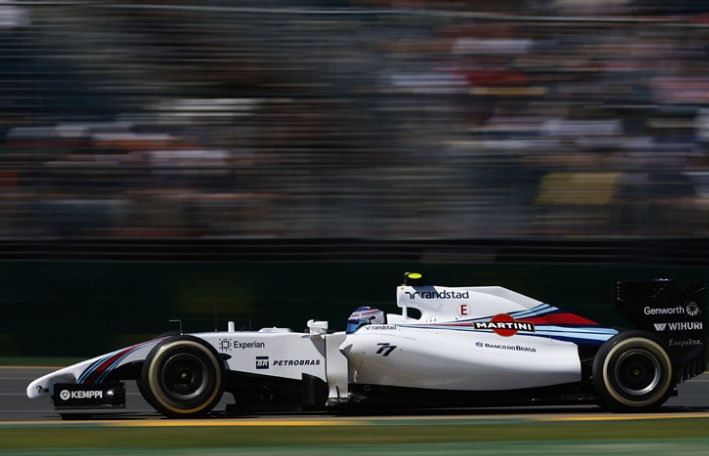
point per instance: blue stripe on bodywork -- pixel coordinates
(117, 362)
(87, 373)
(580, 335)
(82, 378)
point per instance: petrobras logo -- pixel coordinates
(443, 294)
(262, 362)
(65, 395)
(679, 326)
(296, 362)
(504, 325)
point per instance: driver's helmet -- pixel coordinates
(364, 316)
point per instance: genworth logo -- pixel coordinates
(693, 309)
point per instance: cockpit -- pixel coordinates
(364, 316)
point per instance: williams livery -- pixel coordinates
(465, 346)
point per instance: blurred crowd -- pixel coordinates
(354, 119)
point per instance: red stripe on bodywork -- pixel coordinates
(107, 363)
(562, 318)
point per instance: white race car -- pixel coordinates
(470, 346)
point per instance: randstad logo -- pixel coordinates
(444, 294)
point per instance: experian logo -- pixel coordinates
(445, 294)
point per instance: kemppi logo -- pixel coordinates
(65, 395)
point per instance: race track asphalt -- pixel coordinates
(693, 398)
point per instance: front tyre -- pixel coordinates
(182, 377)
(632, 372)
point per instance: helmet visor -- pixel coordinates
(354, 325)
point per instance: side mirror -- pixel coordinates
(317, 327)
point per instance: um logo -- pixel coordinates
(660, 326)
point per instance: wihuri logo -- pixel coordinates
(679, 326)
(443, 294)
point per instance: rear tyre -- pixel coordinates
(632, 372)
(182, 377)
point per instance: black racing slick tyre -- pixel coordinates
(182, 377)
(632, 372)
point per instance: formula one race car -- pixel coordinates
(471, 346)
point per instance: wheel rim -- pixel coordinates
(637, 372)
(184, 376)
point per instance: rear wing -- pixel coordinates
(674, 313)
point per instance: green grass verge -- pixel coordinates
(514, 448)
(57, 437)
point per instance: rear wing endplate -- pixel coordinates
(674, 313)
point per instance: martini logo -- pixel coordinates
(504, 325)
